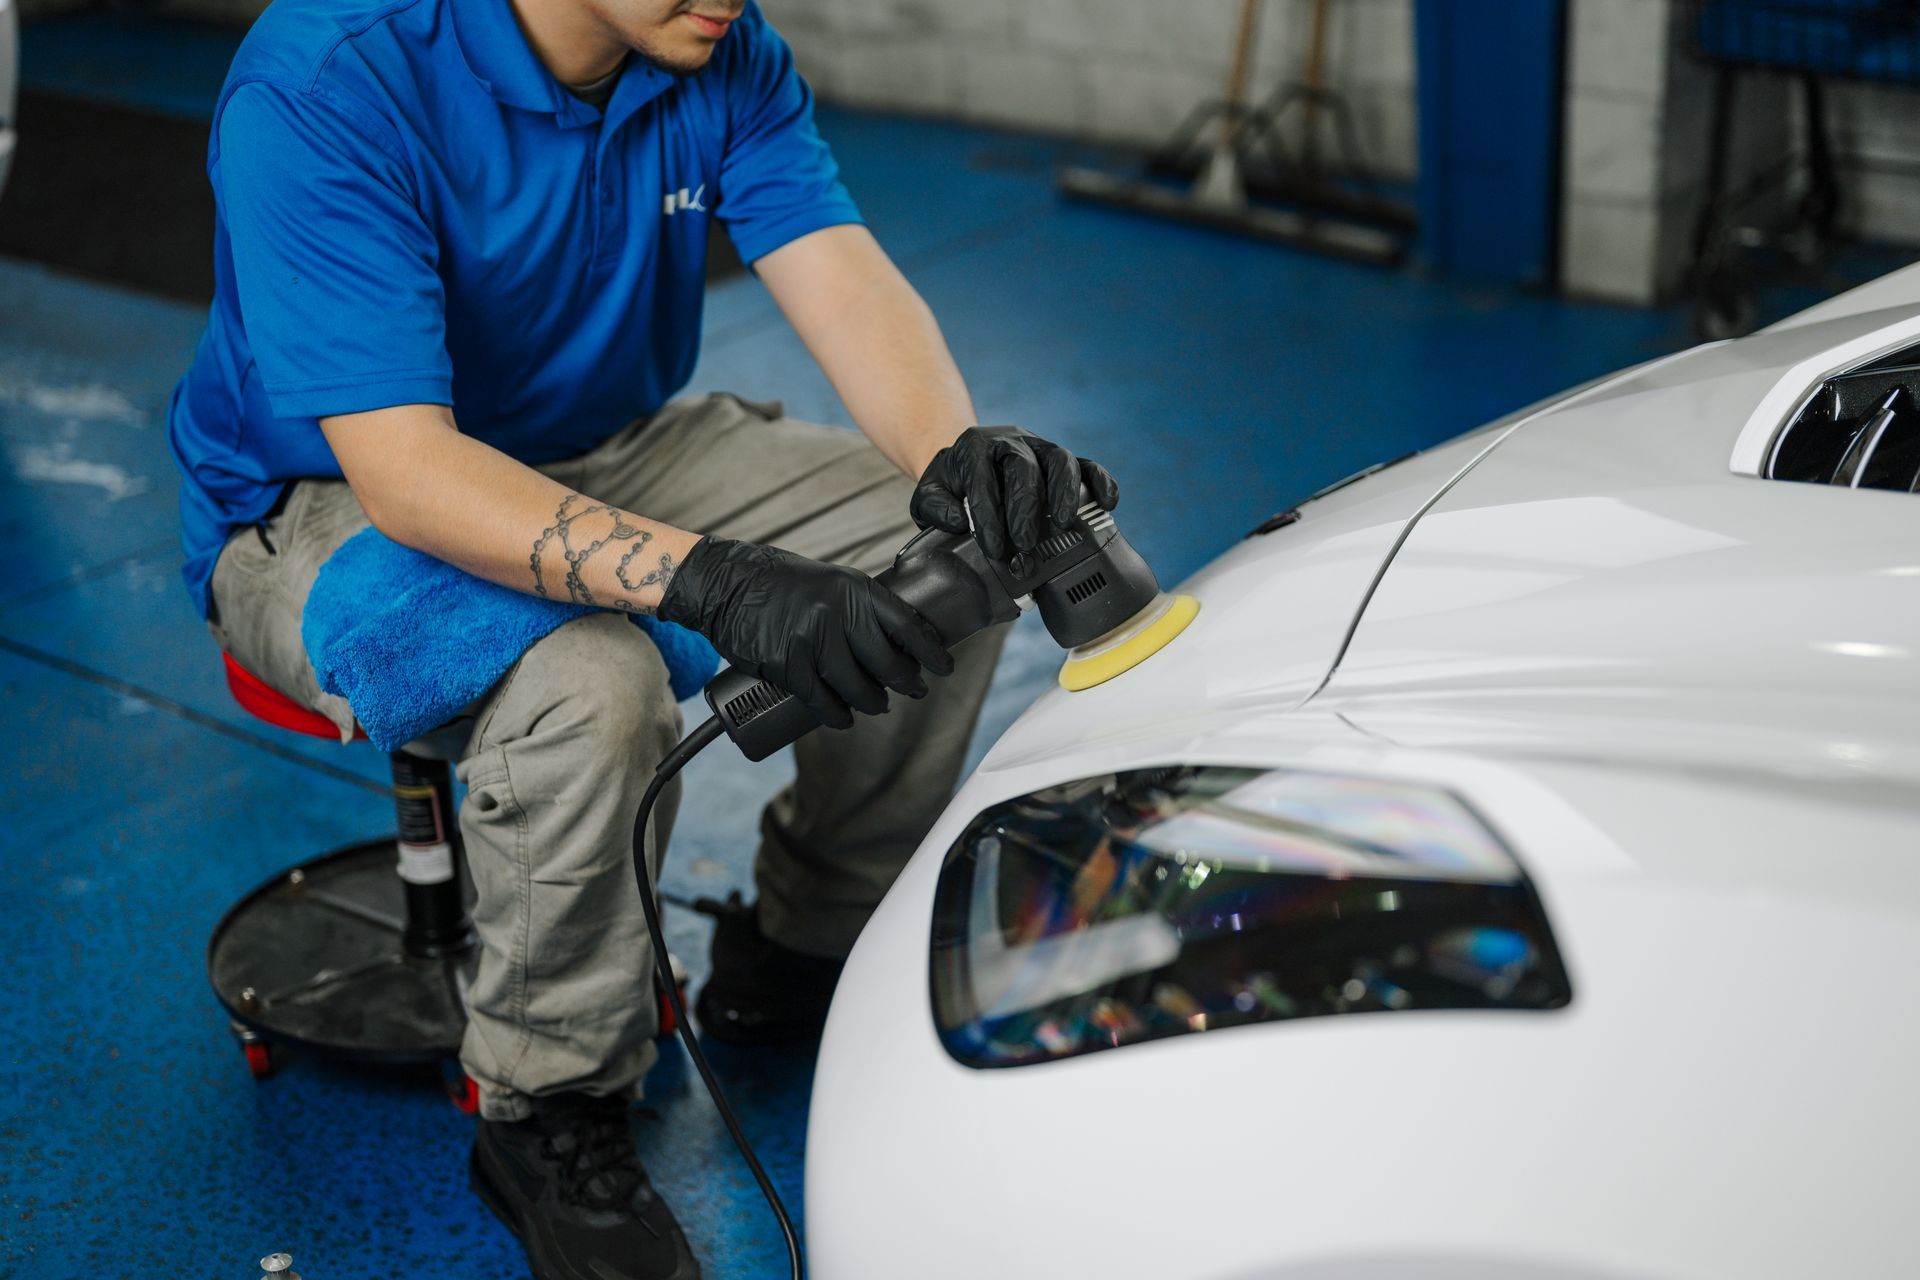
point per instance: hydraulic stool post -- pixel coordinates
(430, 858)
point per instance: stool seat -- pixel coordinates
(258, 698)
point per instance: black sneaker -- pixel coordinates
(568, 1183)
(760, 992)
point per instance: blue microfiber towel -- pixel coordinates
(409, 640)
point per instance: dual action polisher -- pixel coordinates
(1099, 601)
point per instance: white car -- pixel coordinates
(1580, 755)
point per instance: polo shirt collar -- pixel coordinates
(639, 83)
(498, 55)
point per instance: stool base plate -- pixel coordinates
(314, 957)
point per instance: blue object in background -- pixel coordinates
(1489, 103)
(1846, 39)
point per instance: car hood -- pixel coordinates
(1593, 581)
(1611, 584)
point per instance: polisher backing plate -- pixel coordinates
(1127, 646)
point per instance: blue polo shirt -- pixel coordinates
(410, 209)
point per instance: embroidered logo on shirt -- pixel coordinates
(677, 201)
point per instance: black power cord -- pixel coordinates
(676, 759)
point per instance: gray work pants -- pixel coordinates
(560, 750)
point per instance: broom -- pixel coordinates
(1323, 217)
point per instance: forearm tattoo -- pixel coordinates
(581, 536)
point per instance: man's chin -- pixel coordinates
(688, 60)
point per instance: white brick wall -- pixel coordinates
(1614, 215)
(1874, 129)
(1638, 116)
(1124, 71)
(1120, 71)
(1635, 143)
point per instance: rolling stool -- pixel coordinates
(364, 953)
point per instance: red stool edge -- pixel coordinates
(260, 699)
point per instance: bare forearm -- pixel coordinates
(876, 340)
(890, 364)
(428, 487)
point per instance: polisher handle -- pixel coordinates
(1086, 580)
(943, 576)
(758, 715)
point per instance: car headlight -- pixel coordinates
(1132, 906)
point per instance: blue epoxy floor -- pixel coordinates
(1219, 380)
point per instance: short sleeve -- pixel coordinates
(334, 265)
(778, 180)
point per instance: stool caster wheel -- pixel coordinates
(667, 1023)
(463, 1091)
(255, 1049)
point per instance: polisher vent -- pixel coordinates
(1086, 588)
(1097, 517)
(757, 701)
(1058, 545)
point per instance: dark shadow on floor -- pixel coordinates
(119, 194)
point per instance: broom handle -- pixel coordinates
(1239, 67)
(1316, 85)
(1317, 50)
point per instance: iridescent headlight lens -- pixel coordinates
(1138, 905)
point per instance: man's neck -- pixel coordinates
(571, 42)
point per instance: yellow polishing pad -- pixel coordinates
(1129, 645)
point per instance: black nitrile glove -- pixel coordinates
(1015, 482)
(829, 635)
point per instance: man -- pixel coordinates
(460, 258)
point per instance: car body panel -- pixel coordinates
(1290, 596)
(1325, 563)
(1688, 1115)
(1603, 586)
(1685, 697)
